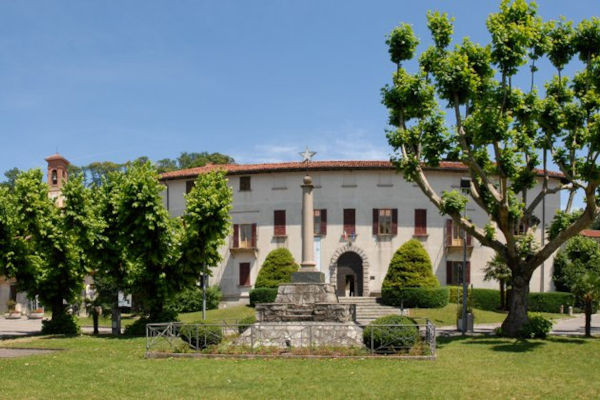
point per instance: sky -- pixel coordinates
(259, 80)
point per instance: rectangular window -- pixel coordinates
(244, 236)
(320, 222)
(420, 222)
(245, 184)
(454, 235)
(244, 274)
(385, 221)
(279, 223)
(189, 185)
(349, 221)
(454, 272)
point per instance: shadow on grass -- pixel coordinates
(495, 343)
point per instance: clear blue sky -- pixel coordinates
(114, 80)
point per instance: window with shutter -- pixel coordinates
(245, 184)
(420, 222)
(385, 221)
(349, 221)
(189, 185)
(320, 222)
(244, 274)
(279, 223)
(246, 236)
(454, 272)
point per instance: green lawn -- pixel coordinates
(471, 368)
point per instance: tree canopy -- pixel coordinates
(501, 132)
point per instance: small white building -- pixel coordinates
(364, 211)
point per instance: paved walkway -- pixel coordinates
(562, 327)
(24, 327)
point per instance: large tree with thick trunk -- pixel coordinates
(503, 134)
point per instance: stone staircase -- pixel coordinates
(370, 308)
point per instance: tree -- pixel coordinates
(497, 269)
(501, 130)
(410, 267)
(577, 256)
(276, 269)
(587, 288)
(11, 177)
(191, 160)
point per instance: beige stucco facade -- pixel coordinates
(336, 190)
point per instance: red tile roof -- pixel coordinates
(239, 169)
(56, 156)
(592, 233)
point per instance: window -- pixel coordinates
(189, 185)
(244, 236)
(279, 223)
(244, 183)
(454, 272)
(454, 235)
(420, 222)
(320, 222)
(244, 274)
(54, 177)
(385, 221)
(349, 221)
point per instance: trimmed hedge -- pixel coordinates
(65, 324)
(489, 299)
(277, 268)
(410, 267)
(391, 338)
(190, 299)
(550, 301)
(415, 297)
(262, 295)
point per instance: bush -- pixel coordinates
(201, 335)
(536, 327)
(410, 267)
(391, 338)
(277, 268)
(138, 328)
(262, 295)
(550, 301)
(244, 323)
(65, 324)
(190, 300)
(415, 297)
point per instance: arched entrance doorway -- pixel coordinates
(349, 275)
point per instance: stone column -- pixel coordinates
(308, 247)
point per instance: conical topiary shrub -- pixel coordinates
(410, 267)
(277, 268)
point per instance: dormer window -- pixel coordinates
(54, 177)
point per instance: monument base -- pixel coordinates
(308, 277)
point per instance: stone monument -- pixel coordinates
(307, 303)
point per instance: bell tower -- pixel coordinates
(57, 175)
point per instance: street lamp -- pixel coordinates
(465, 187)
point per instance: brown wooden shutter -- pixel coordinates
(244, 274)
(189, 185)
(420, 222)
(449, 273)
(448, 232)
(469, 239)
(236, 236)
(323, 222)
(394, 221)
(468, 271)
(253, 235)
(279, 222)
(349, 221)
(375, 221)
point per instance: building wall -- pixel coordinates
(336, 190)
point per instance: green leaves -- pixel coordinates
(441, 28)
(453, 202)
(402, 43)
(561, 37)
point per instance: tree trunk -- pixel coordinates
(517, 314)
(116, 315)
(95, 319)
(58, 308)
(588, 317)
(502, 296)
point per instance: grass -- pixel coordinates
(469, 368)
